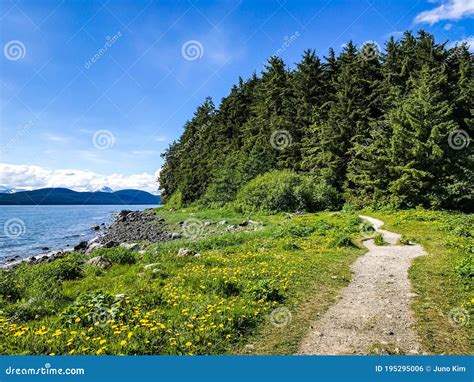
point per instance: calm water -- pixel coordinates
(25, 230)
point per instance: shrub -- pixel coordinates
(378, 239)
(66, 268)
(175, 200)
(92, 308)
(8, 288)
(277, 191)
(117, 255)
(342, 240)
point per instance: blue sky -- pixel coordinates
(69, 119)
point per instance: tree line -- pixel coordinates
(381, 128)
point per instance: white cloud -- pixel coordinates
(33, 177)
(449, 10)
(469, 40)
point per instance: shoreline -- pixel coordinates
(126, 226)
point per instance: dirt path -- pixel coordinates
(374, 309)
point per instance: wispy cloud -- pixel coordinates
(448, 10)
(33, 177)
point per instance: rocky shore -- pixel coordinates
(128, 227)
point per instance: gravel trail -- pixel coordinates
(374, 309)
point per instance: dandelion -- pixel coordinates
(189, 344)
(123, 343)
(129, 335)
(101, 342)
(78, 319)
(99, 351)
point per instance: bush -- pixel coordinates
(378, 239)
(117, 255)
(175, 200)
(277, 191)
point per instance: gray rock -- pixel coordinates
(197, 255)
(152, 265)
(110, 244)
(184, 252)
(82, 246)
(131, 246)
(175, 235)
(222, 222)
(100, 261)
(95, 228)
(92, 247)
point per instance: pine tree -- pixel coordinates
(419, 148)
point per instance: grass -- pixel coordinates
(261, 284)
(253, 290)
(442, 280)
(379, 240)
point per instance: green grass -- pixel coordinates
(379, 240)
(226, 301)
(212, 304)
(442, 280)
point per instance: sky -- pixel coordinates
(93, 91)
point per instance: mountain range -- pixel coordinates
(61, 196)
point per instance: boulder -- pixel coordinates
(91, 248)
(175, 235)
(122, 215)
(184, 252)
(95, 227)
(131, 246)
(222, 222)
(110, 244)
(100, 261)
(244, 223)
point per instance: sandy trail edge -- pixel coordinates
(374, 309)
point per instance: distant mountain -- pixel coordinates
(9, 190)
(104, 189)
(58, 196)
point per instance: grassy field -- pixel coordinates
(443, 280)
(261, 284)
(253, 290)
